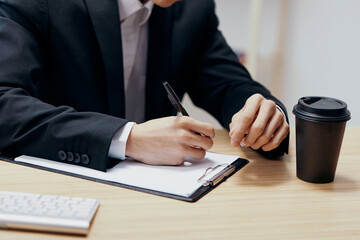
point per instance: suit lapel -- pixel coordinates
(104, 16)
(158, 64)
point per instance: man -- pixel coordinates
(73, 73)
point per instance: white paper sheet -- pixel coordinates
(180, 180)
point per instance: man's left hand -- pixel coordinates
(259, 124)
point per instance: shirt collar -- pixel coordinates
(129, 7)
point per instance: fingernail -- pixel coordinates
(242, 144)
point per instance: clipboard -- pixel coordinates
(209, 179)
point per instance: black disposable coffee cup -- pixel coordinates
(320, 126)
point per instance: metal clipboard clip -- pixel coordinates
(216, 177)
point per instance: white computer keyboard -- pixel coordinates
(46, 212)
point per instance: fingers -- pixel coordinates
(196, 153)
(258, 125)
(193, 146)
(167, 141)
(242, 121)
(278, 137)
(193, 125)
(189, 138)
(267, 110)
(189, 129)
(275, 122)
(182, 152)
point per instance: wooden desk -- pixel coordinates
(264, 200)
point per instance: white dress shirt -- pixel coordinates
(134, 18)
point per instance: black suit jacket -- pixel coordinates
(61, 74)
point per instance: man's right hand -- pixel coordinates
(167, 141)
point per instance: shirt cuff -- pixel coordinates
(118, 143)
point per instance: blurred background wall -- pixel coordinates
(296, 48)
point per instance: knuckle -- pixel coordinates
(185, 136)
(270, 145)
(255, 147)
(287, 128)
(258, 128)
(258, 96)
(275, 143)
(246, 119)
(271, 105)
(209, 128)
(280, 118)
(209, 144)
(267, 148)
(264, 139)
(182, 121)
(202, 154)
(238, 132)
(235, 117)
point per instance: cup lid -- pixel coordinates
(321, 109)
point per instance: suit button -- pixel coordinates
(85, 159)
(70, 156)
(61, 155)
(77, 158)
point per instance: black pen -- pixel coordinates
(175, 101)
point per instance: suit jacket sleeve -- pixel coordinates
(28, 125)
(223, 85)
